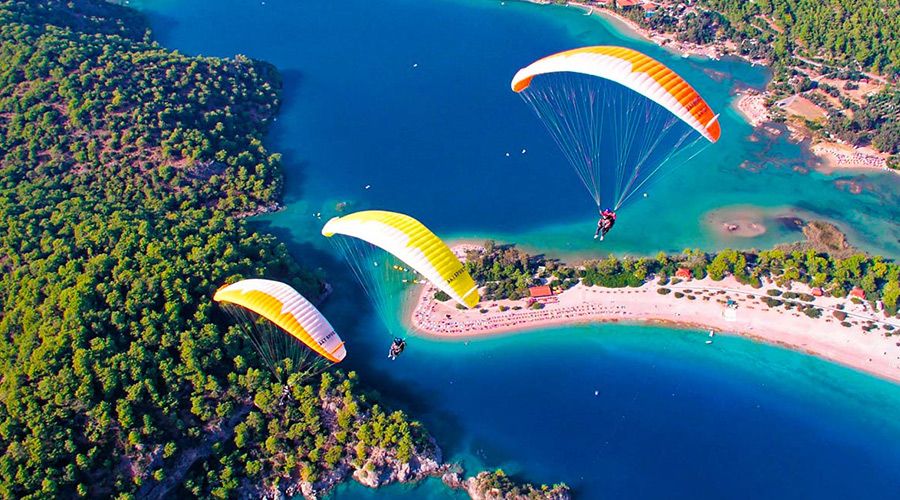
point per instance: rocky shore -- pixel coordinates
(497, 485)
(382, 468)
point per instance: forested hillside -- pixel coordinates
(844, 32)
(122, 166)
(843, 39)
(843, 55)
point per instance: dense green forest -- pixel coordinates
(122, 166)
(845, 37)
(859, 34)
(855, 35)
(309, 432)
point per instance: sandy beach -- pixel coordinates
(839, 156)
(740, 222)
(826, 337)
(615, 17)
(752, 106)
(663, 40)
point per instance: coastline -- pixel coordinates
(629, 25)
(830, 155)
(825, 337)
(684, 49)
(751, 104)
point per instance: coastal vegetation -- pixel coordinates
(317, 434)
(498, 485)
(504, 271)
(853, 34)
(876, 279)
(877, 122)
(856, 34)
(842, 55)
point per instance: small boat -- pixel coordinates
(712, 334)
(590, 11)
(708, 342)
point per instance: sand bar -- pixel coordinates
(873, 352)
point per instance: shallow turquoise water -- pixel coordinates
(672, 417)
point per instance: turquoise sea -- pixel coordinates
(413, 99)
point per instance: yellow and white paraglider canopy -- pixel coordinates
(413, 243)
(286, 308)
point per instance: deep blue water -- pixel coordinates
(672, 417)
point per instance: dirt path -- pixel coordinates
(174, 475)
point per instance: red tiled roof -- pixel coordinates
(683, 273)
(627, 3)
(540, 291)
(858, 292)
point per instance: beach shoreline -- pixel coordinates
(830, 156)
(827, 337)
(836, 156)
(669, 43)
(751, 105)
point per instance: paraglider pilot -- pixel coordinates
(605, 223)
(397, 347)
(285, 395)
